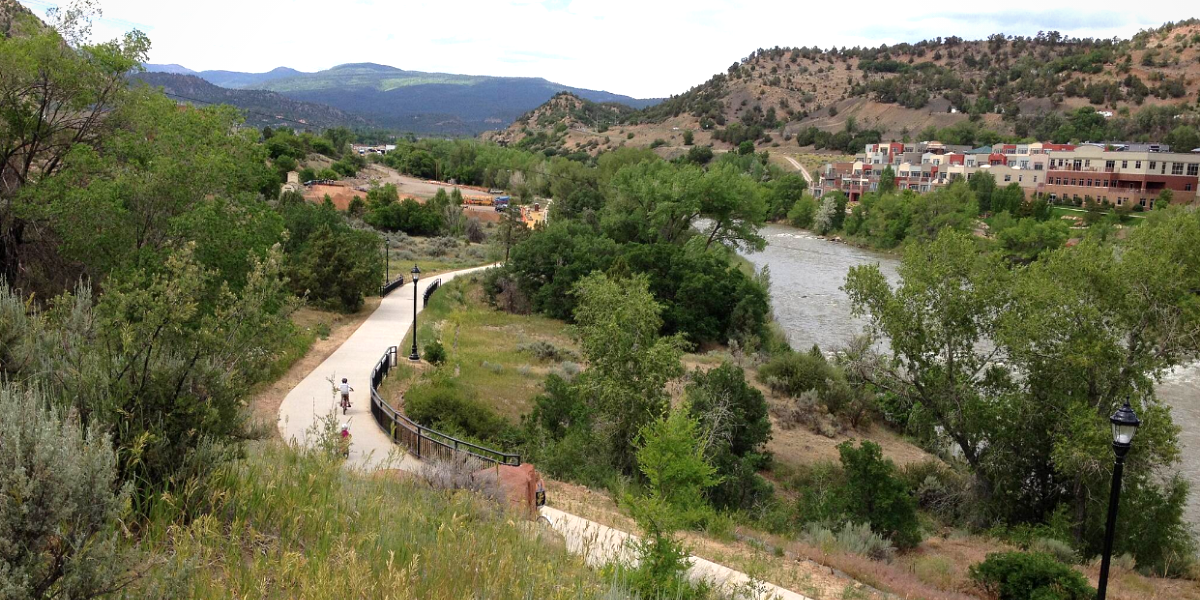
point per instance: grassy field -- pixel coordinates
(291, 524)
(437, 255)
(488, 350)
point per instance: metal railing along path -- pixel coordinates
(391, 286)
(422, 441)
(430, 290)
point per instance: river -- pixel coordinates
(807, 273)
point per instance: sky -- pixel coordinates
(641, 48)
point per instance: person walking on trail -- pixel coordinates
(345, 390)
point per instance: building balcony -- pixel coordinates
(1083, 169)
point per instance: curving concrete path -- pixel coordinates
(315, 397)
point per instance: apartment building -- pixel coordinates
(1122, 174)
(925, 166)
(1132, 176)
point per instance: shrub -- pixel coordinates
(474, 232)
(941, 490)
(874, 493)
(1025, 576)
(794, 373)
(461, 472)
(357, 207)
(851, 538)
(1060, 550)
(671, 456)
(441, 246)
(567, 369)
(735, 414)
(806, 410)
(59, 504)
(441, 405)
(435, 352)
(543, 350)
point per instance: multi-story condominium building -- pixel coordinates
(1135, 176)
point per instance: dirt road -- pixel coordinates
(803, 172)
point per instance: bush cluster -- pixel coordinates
(1032, 576)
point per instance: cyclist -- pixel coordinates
(345, 390)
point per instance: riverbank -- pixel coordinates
(807, 273)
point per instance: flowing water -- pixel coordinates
(807, 273)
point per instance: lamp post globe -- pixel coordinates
(416, 276)
(1124, 423)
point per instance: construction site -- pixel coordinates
(480, 204)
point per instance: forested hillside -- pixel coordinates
(1014, 86)
(411, 101)
(260, 107)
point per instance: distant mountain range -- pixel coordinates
(261, 107)
(440, 103)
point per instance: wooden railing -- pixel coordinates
(422, 441)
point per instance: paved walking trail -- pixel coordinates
(314, 397)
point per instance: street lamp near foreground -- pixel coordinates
(1124, 426)
(416, 275)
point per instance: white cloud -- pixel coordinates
(641, 48)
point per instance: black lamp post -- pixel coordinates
(1124, 425)
(416, 274)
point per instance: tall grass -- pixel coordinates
(287, 523)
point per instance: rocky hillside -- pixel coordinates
(261, 107)
(549, 124)
(1013, 85)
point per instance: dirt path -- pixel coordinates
(799, 167)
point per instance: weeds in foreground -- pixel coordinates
(288, 523)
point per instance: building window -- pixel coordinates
(1007, 178)
(1137, 164)
(1020, 178)
(1177, 168)
(1193, 168)
(1187, 187)
(1143, 202)
(1035, 178)
(1110, 165)
(1124, 164)
(1089, 183)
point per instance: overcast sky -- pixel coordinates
(642, 48)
